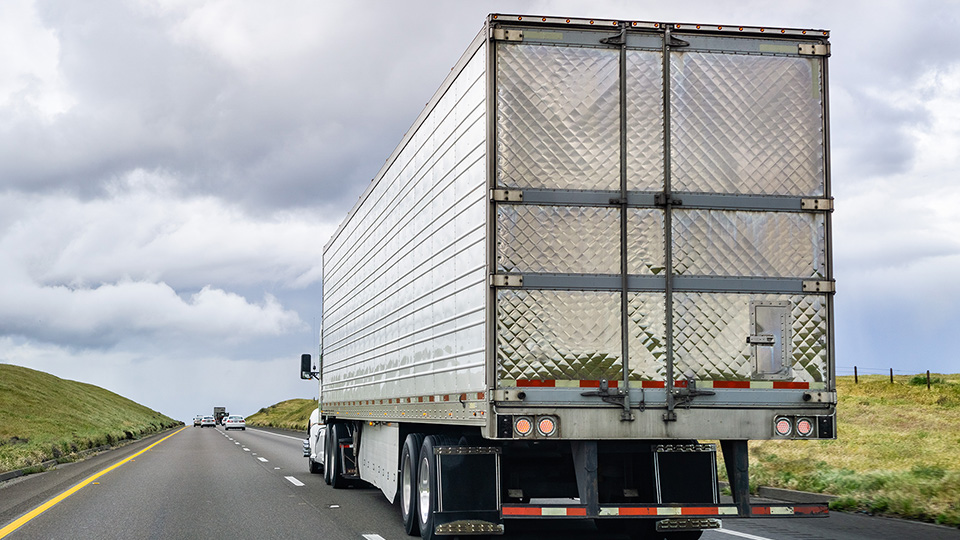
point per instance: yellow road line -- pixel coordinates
(52, 502)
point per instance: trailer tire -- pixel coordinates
(409, 458)
(427, 483)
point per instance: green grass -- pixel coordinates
(897, 451)
(290, 414)
(43, 417)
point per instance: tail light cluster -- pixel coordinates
(540, 426)
(803, 427)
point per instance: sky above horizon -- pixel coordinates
(170, 171)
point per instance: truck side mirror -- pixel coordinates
(306, 370)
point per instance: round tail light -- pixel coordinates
(783, 426)
(546, 426)
(804, 427)
(523, 426)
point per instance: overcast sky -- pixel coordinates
(171, 169)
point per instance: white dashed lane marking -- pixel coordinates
(263, 459)
(294, 481)
(740, 534)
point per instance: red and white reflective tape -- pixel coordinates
(669, 511)
(524, 511)
(464, 397)
(759, 385)
(544, 511)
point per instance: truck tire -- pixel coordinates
(407, 486)
(338, 431)
(315, 468)
(327, 455)
(427, 486)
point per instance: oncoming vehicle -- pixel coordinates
(234, 422)
(208, 421)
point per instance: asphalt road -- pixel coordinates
(205, 483)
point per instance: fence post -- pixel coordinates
(855, 379)
(928, 379)
(891, 375)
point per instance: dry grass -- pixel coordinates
(897, 450)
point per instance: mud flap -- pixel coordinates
(469, 491)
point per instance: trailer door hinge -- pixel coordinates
(666, 199)
(506, 195)
(820, 286)
(817, 204)
(503, 34)
(814, 49)
(505, 280)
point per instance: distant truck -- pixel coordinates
(600, 243)
(219, 413)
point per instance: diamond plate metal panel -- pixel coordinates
(710, 331)
(644, 121)
(767, 244)
(564, 335)
(558, 117)
(746, 124)
(648, 333)
(645, 240)
(558, 239)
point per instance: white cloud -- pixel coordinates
(29, 63)
(143, 230)
(177, 386)
(146, 262)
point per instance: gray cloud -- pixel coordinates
(170, 170)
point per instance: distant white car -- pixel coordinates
(234, 422)
(197, 419)
(208, 421)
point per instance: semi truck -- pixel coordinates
(219, 413)
(601, 253)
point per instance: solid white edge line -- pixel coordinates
(277, 434)
(294, 481)
(740, 534)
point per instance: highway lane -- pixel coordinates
(385, 519)
(196, 484)
(207, 483)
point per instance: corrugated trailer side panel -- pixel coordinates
(405, 275)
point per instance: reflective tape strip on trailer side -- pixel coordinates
(527, 511)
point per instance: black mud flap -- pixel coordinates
(469, 491)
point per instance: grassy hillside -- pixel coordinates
(290, 414)
(43, 417)
(897, 450)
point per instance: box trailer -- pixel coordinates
(600, 244)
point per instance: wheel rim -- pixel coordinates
(406, 486)
(423, 489)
